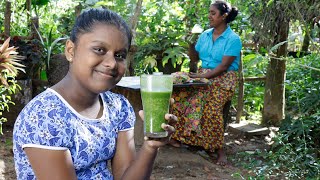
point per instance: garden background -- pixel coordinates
(280, 75)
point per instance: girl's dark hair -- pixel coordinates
(225, 7)
(88, 18)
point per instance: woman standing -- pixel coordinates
(200, 110)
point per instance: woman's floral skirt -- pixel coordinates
(200, 111)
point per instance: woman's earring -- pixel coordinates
(70, 59)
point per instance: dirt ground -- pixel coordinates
(172, 163)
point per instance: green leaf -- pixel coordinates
(275, 47)
(150, 60)
(40, 2)
(165, 60)
(249, 57)
(269, 3)
(51, 47)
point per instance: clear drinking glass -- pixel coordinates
(156, 90)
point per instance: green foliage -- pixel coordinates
(48, 45)
(147, 66)
(9, 67)
(264, 16)
(298, 144)
(6, 92)
(294, 154)
(161, 36)
(18, 24)
(254, 65)
(164, 28)
(55, 22)
(176, 54)
(302, 84)
(37, 4)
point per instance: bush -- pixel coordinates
(295, 152)
(9, 66)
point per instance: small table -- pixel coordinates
(133, 82)
(129, 87)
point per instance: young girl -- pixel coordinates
(71, 130)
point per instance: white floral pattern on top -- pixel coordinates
(48, 121)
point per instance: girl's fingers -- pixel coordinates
(168, 128)
(171, 118)
(171, 100)
(141, 114)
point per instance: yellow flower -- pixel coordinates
(183, 94)
(198, 109)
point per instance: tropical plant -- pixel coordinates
(297, 139)
(163, 31)
(48, 45)
(37, 4)
(9, 67)
(302, 84)
(293, 155)
(9, 62)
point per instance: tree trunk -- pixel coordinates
(192, 53)
(7, 18)
(28, 9)
(133, 25)
(274, 96)
(34, 28)
(194, 58)
(78, 9)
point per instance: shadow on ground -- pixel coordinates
(172, 163)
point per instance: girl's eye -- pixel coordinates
(99, 50)
(120, 56)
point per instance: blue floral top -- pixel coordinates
(49, 122)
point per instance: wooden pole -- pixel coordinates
(250, 79)
(28, 8)
(35, 28)
(133, 26)
(7, 19)
(241, 92)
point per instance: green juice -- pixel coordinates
(155, 106)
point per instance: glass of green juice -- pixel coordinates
(156, 90)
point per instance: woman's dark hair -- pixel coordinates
(88, 18)
(225, 7)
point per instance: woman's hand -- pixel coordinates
(155, 143)
(195, 75)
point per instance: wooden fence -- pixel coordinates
(242, 80)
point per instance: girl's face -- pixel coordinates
(215, 18)
(99, 58)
